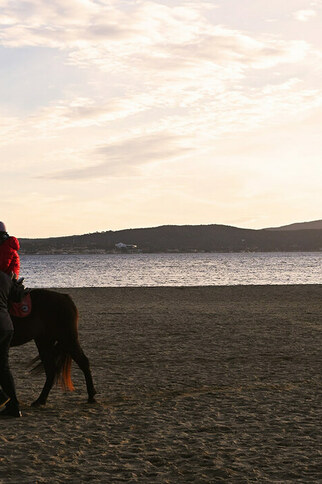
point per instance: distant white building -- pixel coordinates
(122, 246)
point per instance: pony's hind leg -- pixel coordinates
(47, 355)
(82, 361)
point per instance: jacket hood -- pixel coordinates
(13, 243)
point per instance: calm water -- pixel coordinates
(171, 269)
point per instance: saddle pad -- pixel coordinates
(21, 309)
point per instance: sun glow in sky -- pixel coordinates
(136, 113)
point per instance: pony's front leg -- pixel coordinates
(47, 356)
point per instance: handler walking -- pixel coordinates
(8, 396)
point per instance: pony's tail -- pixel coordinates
(63, 364)
(63, 358)
(63, 369)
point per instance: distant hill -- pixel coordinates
(187, 238)
(316, 225)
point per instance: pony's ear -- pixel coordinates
(17, 291)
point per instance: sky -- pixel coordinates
(137, 113)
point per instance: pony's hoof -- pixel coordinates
(92, 401)
(37, 403)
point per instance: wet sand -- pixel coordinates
(209, 384)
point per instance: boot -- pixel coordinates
(11, 411)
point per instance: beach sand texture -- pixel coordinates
(208, 384)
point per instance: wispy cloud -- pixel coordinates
(145, 35)
(304, 15)
(127, 157)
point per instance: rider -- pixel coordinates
(7, 387)
(9, 257)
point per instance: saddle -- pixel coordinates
(21, 309)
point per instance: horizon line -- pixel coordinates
(168, 225)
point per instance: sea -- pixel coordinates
(145, 270)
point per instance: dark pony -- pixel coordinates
(53, 325)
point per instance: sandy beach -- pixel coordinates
(207, 384)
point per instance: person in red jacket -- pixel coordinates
(9, 257)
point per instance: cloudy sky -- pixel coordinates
(137, 113)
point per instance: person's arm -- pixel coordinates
(14, 265)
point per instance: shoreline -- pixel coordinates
(196, 384)
(174, 252)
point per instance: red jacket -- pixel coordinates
(9, 258)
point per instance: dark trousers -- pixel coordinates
(6, 380)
